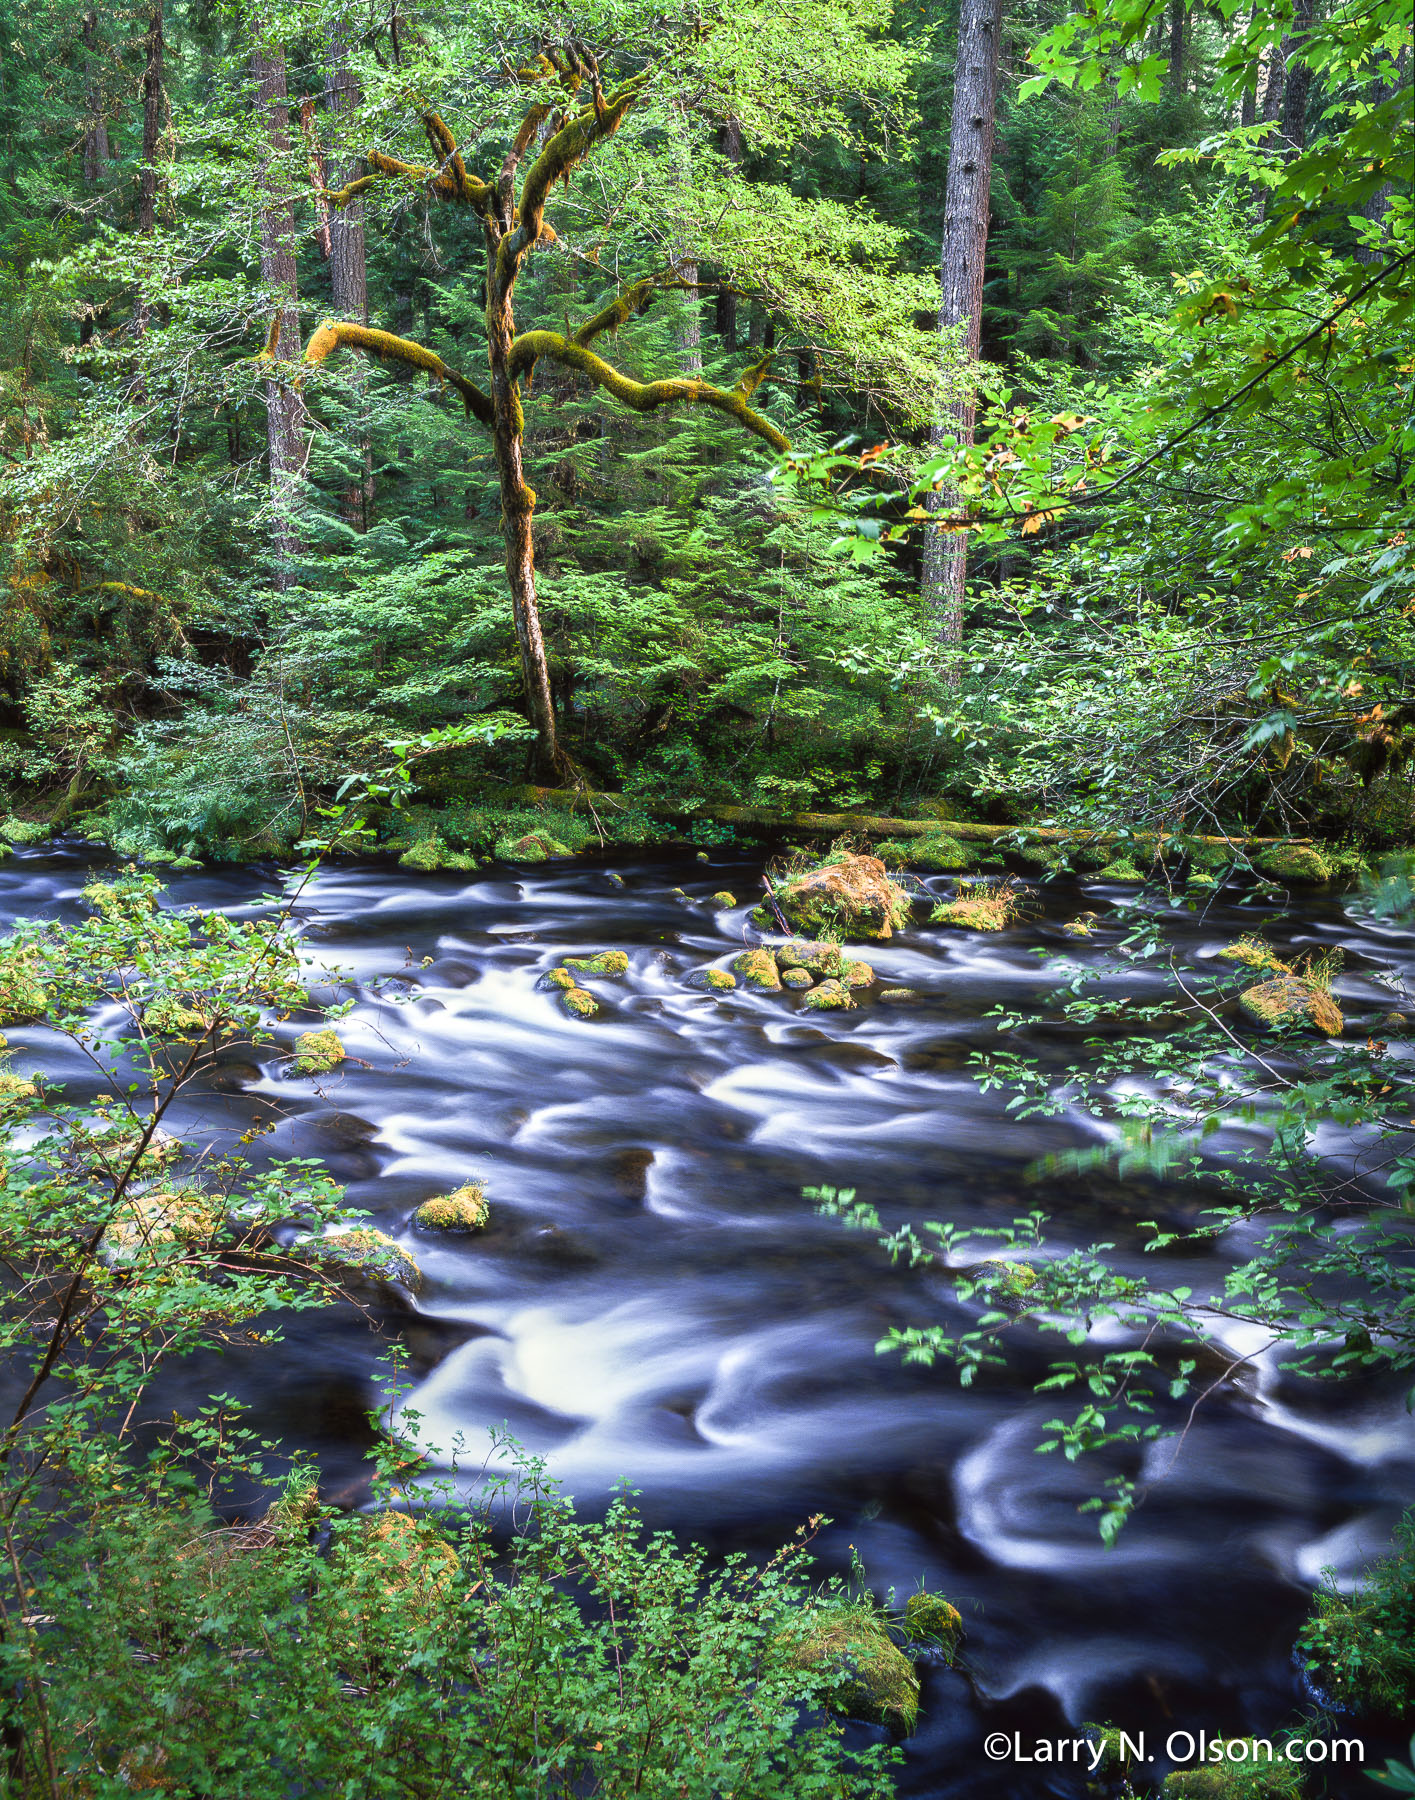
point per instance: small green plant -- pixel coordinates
(1360, 1648)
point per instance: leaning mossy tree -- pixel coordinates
(661, 212)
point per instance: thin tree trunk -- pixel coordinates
(96, 152)
(756, 325)
(348, 265)
(153, 105)
(1277, 81)
(960, 313)
(726, 320)
(1299, 77)
(1178, 21)
(283, 410)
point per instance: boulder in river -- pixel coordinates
(1252, 952)
(898, 996)
(149, 1225)
(1293, 1000)
(464, 1209)
(850, 1641)
(857, 975)
(830, 996)
(849, 895)
(579, 1002)
(930, 1619)
(603, 962)
(979, 906)
(713, 981)
(317, 1052)
(723, 900)
(1294, 862)
(363, 1252)
(757, 969)
(558, 978)
(815, 959)
(795, 978)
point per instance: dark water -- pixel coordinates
(655, 1300)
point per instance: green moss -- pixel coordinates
(795, 978)
(1038, 854)
(830, 996)
(1006, 1284)
(24, 831)
(109, 1152)
(22, 998)
(715, 981)
(1090, 856)
(1199, 881)
(1252, 952)
(1245, 1776)
(604, 962)
(579, 1003)
(119, 899)
(366, 1252)
(845, 896)
(14, 1088)
(1081, 926)
(464, 1209)
(936, 852)
(317, 1052)
(170, 1017)
(815, 959)
(978, 911)
(858, 975)
(152, 1224)
(1122, 869)
(757, 969)
(723, 899)
(531, 846)
(870, 1676)
(898, 996)
(1293, 862)
(1290, 1000)
(558, 978)
(930, 1619)
(432, 853)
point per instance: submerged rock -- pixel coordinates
(317, 1052)
(464, 1209)
(1294, 862)
(850, 895)
(604, 962)
(830, 996)
(795, 978)
(1289, 1000)
(757, 969)
(898, 996)
(873, 1677)
(713, 981)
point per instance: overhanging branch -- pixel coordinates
(337, 334)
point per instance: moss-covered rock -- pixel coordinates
(1006, 1284)
(1038, 854)
(1291, 1000)
(795, 978)
(1122, 869)
(713, 981)
(22, 997)
(757, 969)
(871, 1677)
(464, 1209)
(849, 896)
(1082, 926)
(930, 1619)
(25, 831)
(857, 975)
(168, 1016)
(533, 846)
(317, 1052)
(1293, 862)
(153, 1224)
(1115, 1754)
(722, 899)
(816, 959)
(1252, 953)
(119, 899)
(363, 1252)
(936, 852)
(557, 978)
(110, 1152)
(977, 907)
(432, 853)
(830, 996)
(579, 1002)
(898, 996)
(604, 962)
(14, 1088)
(1246, 1773)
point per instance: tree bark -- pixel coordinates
(960, 313)
(153, 100)
(96, 151)
(1178, 21)
(726, 319)
(1276, 82)
(1299, 77)
(348, 265)
(284, 412)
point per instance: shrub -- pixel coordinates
(1361, 1648)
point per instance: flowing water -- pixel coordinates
(655, 1300)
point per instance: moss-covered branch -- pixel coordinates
(335, 334)
(642, 396)
(629, 303)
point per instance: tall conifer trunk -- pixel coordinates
(960, 313)
(284, 411)
(95, 126)
(348, 267)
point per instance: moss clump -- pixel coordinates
(1361, 1647)
(365, 1252)
(170, 1017)
(830, 996)
(795, 978)
(22, 998)
(152, 1224)
(432, 853)
(464, 1209)
(1292, 1000)
(24, 831)
(533, 846)
(898, 996)
(930, 1619)
(1115, 1757)
(1246, 1773)
(870, 1676)
(936, 852)
(1122, 869)
(1252, 952)
(1038, 855)
(849, 896)
(1006, 1284)
(1081, 926)
(816, 959)
(579, 1002)
(1293, 862)
(14, 1088)
(317, 1052)
(558, 978)
(978, 907)
(109, 1152)
(757, 969)
(723, 900)
(119, 899)
(858, 975)
(714, 981)
(605, 962)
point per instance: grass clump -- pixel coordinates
(847, 895)
(1251, 1769)
(464, 1209)
(1121, 869)
(980, 906)
(1360, 1648)
(1252, 952)
(24, 831)
(22, 997)
(869, 1676)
